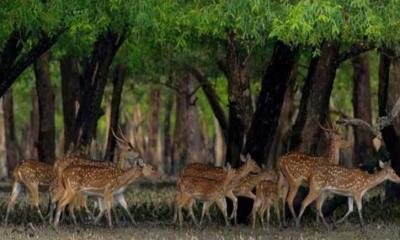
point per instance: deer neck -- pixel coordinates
(227, 183)
(120, 158)
(242, 172)
(375, 179)
(334, 153)
(130, 175)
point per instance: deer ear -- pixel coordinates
(242, 158)
(227, 166)
(381, 164)
(141, 162)
(263, 166)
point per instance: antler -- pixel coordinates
(326, 129)
(122, 138)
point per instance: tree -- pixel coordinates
(69, 70)
(270, 100)
(46, 105)
(118, 79)
(10, 136)
(363, 147)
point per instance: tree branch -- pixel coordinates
(212, 98)
(9, 75)
(222, 66)
(380, 124)
(352, 52)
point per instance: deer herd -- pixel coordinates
(72, 180)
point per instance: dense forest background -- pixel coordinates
(196, 81)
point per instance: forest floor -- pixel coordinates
(152, 207)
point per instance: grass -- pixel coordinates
(152, 207)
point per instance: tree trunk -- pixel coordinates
(118, 84)
(10, 137)
(314, 105)
(92, 85)
(363, 148)
(394, 89)
(45, 93)
(167, 135)
(389, 134)
(33, 131)
(213, 100)
(239, 97)
(3, 150)
(154, 104)
(69, 69)
(286, 121)
(266, 117)
(188, 142)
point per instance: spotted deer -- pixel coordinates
(352, 183)
(104, 182)
(267, 193)
(296, 168)
(31, 174)
(125, 150)
(218, 174)
(206, 190)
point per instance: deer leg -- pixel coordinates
(71, 210)
(176, 208)
(283, 195)
(206, 206)
(53, 206)
(66, 199)
(293, 188)
(261, 212)
(319, 204)
(101, 210)
(221, 203)
(277, 210)
(108, 206)
(181, 200)
(256, 206)
(34, 189)
(121, 200)
(234, 199)
(358, 201)
(16, 190)
(191, 213)
(312, 195)
(350, 203)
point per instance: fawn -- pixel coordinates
(267, 193)
(218, 174)
(206, 190)
(31, 174)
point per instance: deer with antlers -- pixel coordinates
(204, 171)
(296, 168)
(125, 150)
(352, 183)
(104, 182)
(31, 174)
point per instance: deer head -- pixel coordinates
(129, 151)
(249, 164)
(389, 172)
(332, 133)
(148, 170)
